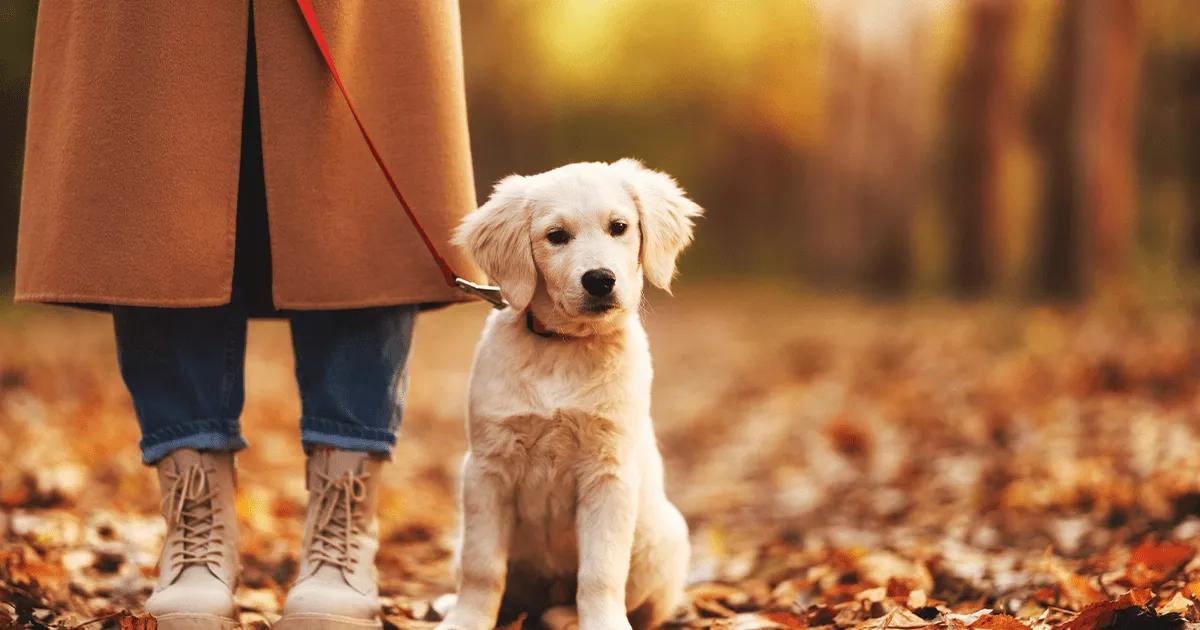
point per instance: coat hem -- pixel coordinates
(428, 300)
(74, 299)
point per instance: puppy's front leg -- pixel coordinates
(605, 519)
(487, 528)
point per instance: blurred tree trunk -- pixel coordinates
(868, 178)
(1179, 95)
(1110, 74)
(1168, 155)
(980, 128)
(1190, 128)
(771, 182)
(836, 239)
(896, 170)
(1059, 249)
(508, 108)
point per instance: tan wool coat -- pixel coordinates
(132, 156)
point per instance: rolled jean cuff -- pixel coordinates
(345, 436)
(214, 435)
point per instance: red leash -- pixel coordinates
(491, 294)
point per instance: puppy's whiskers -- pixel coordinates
(644, 307)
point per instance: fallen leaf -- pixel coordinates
(1162, 556)
(143, 622)
(998, 622)
(1180, 605)
(1077, 591)
(1099, 615)
(969, 619)
(785, 618)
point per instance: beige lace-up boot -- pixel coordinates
(198, 569)
(337, 586)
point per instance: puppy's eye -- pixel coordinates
(617, 228)
(558, 236)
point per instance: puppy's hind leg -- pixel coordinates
(561, 618)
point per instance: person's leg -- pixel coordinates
(184, 371)
(350, 366)
(183, 368)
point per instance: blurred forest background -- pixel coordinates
(1024, 148)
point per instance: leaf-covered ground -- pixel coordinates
(841, 465)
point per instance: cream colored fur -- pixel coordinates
(563, 505)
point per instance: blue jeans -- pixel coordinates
(184, 368)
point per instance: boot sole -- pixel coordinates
(321, 621)
(193, 621)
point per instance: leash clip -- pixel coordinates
(487, 293)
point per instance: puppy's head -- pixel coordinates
(583, 234)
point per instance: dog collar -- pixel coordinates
(536, 327)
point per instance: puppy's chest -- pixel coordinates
(550, 450)
(551, 458)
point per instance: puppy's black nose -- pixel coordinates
(598, 282)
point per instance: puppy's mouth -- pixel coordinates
(599, 306)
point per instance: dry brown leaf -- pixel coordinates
(1179, 605)
(998, 622)
(1077, 592)
(872, 595)
(1152, 563)
(134, 622)
(890, 569)
(1162, 556)
(785, 618)
(1098, 615)
(896, 619)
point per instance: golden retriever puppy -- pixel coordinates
(564, 512)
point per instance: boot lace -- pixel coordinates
(339, 519)
(188, 506)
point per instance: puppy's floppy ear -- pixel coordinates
(497, 238)
(665, 218)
